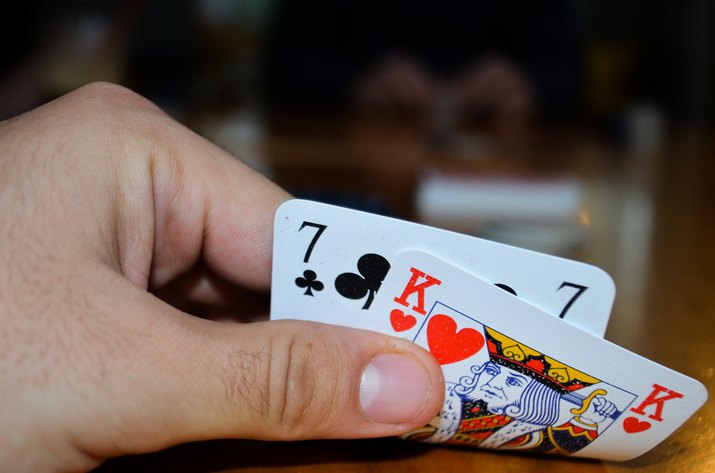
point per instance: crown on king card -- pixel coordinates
(507, 352)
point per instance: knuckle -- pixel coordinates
(109, 97)
(304, 384)
(109, 111)
(132, 129)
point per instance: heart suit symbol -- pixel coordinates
(632, 425)
(401, 322)
(449, 345)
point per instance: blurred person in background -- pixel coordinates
(495, 62)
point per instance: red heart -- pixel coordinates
(632, 425)
(447, 344)
(401, 322)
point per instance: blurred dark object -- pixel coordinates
(20, 34)
(50, 48)
(163, 53)
(657, 54)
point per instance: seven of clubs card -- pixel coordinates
(518, 333)
(329, 263)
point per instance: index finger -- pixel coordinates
(210, 206)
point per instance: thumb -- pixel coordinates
(278, 380)
(300, 380)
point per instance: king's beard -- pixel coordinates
(495, 401)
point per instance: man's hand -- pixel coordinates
(395, 86)
(104, 200)
(496, 87)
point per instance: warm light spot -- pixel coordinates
(584, 218)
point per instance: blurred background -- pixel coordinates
(598, 62)
(602, 63)
(548, 125)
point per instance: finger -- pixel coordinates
(192, 379)
(179, 199)
(210, 205)
(376, 99)
(398, 85)
(411, 88)
(516, 107)
(203, 293)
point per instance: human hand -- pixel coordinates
(104, 200)
(395, 86)
(497, 89)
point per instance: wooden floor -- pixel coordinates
(652, 224)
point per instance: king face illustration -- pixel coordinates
(521, 399)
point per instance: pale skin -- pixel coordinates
(105, 200)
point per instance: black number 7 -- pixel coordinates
(321, 228)
(579, 290)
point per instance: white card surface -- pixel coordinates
(329, 262)
(518, 378)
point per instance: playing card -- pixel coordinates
(518, 378)
(329, 264)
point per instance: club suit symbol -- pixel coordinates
(373, 269)
(310, 282)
